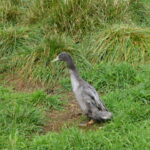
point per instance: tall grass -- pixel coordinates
(76, 17)
(34, 32)
(37, 63)
(30, 52)
(12, 39)
(121, 43)
(12, 11)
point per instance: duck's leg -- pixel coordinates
(86, 124)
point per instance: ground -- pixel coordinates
(58, 119)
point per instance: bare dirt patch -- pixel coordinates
(65, 118)
(21, 85)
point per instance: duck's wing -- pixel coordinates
(93, 97)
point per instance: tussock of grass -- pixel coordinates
(52, 102)
(80, 16)
(122, 43)
(37, 62)
(30, 52)
(18, 118)
(12, 11)
(11, 40)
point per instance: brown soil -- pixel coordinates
(70, 116)
(19, 84)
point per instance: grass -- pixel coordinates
(22, 115)
(121, 43)
(32, 33)
(126, 94)
(110, 43)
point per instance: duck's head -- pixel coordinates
(63, 56)
(66, 58)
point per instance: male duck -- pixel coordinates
(85, 94)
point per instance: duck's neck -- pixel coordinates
(70, 63)
(72, 68)
(74, 76)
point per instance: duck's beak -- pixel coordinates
(56, 59)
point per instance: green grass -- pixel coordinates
(129, 128)
(121, 43)
(22, 115)
(32, 33)
(126, 92)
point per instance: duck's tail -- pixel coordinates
(101, 115)
(105, 115)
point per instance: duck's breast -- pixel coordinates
(74, 82)
(77, 88)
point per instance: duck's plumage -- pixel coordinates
(89, 100)
(85, 94)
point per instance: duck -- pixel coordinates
(85, 94)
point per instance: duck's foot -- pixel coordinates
(91, 122)
(86, 124)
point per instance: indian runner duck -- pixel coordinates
(86, 95)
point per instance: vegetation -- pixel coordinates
(110, 42)
(126, 93)
(32, 33)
